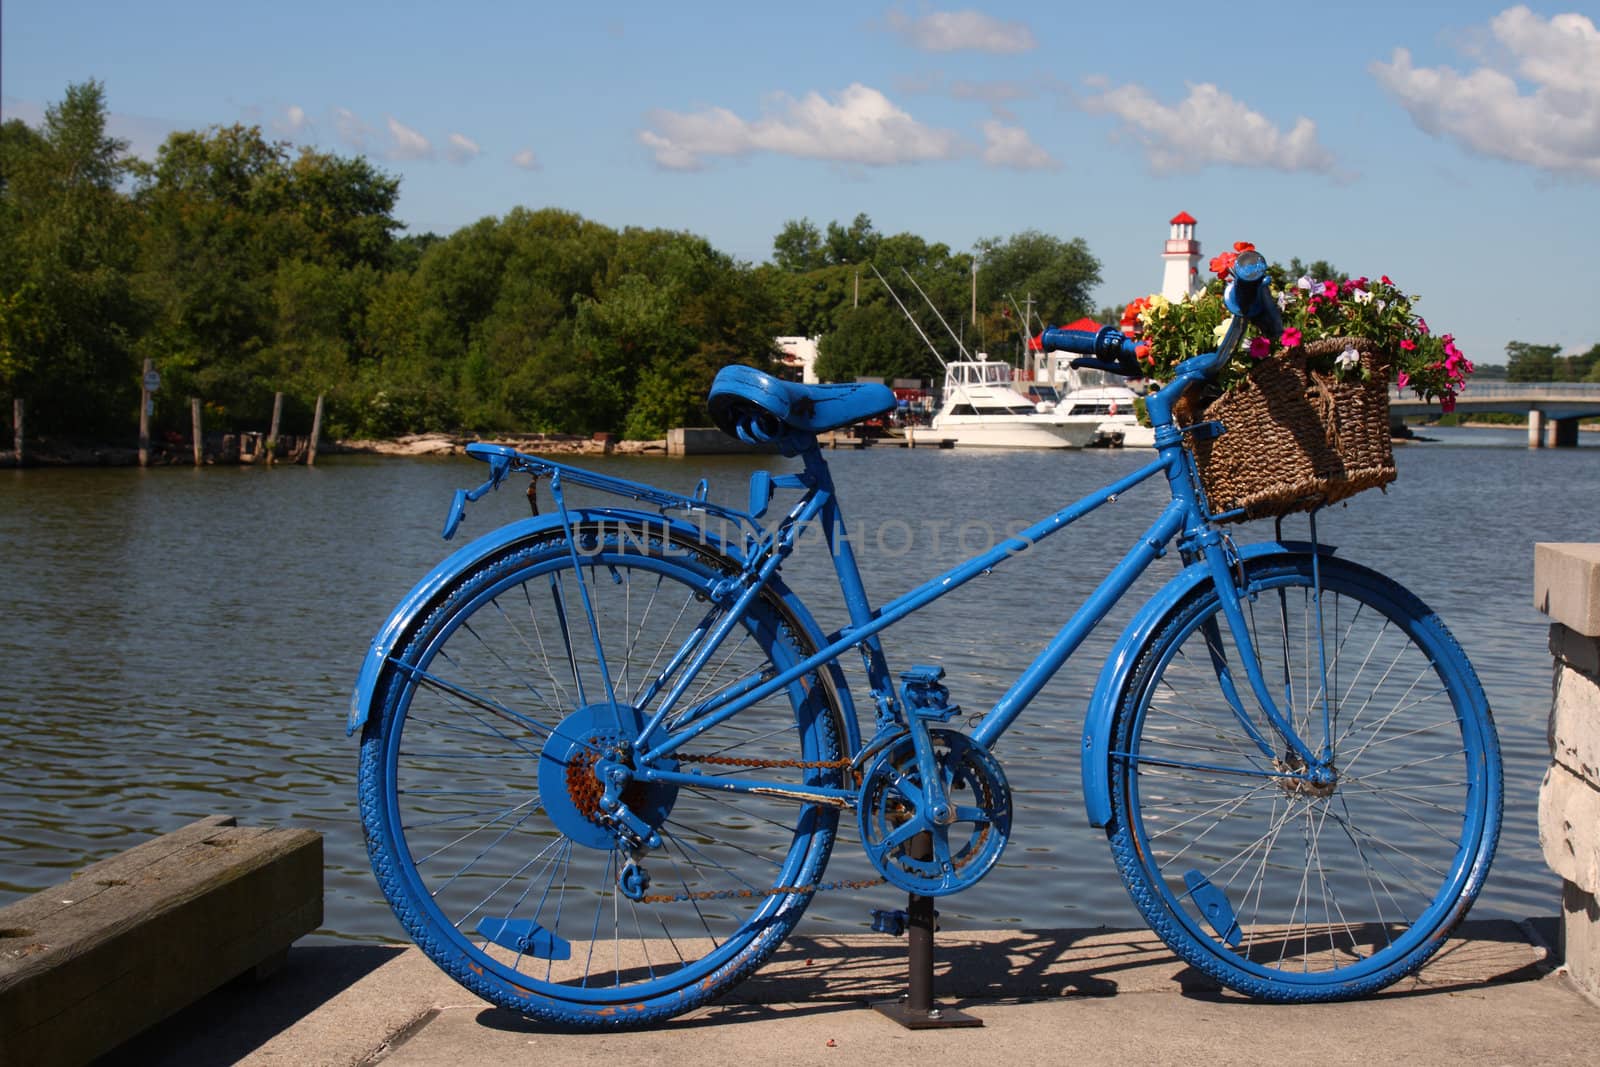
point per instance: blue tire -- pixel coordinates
(1274, 886)
(482, 806)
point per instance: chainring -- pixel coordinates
(908, 847)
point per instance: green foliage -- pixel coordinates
(242, 267)
(68, 315)
(1545, 363)
(874, 341)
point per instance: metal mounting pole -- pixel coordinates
(916, 1010)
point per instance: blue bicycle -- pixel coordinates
(606, 752)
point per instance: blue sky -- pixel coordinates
(1452, 146)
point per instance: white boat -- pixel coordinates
(981, 409)
(1100, 394)
(1091, 396)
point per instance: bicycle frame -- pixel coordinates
(1208, 554)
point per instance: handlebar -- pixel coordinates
(1107, 349)
(1248, 296)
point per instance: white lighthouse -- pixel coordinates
(1181, 275)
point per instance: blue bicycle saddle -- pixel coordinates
(755, 407)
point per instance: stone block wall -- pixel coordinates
(1566, 579)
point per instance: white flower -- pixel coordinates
(1348, 358)
(1382, 304)
(1304, 282)
(1363, 296)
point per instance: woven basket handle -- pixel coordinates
(1326, 403)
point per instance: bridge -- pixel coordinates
(1553, 408)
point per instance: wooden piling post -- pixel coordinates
(194, 424)
(16, 429)
(316, 431)
(272, 434)
(144, 414)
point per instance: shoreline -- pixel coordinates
(230, 449)
(236, 450)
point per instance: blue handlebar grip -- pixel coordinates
(1249, 293)
(1109, 345)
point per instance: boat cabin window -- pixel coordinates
(986, 373)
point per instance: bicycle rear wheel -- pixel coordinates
(482, 806)
(1277, 887)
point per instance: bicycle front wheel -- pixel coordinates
(481, 779)
(1277, 886)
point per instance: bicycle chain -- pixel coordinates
(777, 890)
(745, 761)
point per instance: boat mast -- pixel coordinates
(907, 313)
(959, 346)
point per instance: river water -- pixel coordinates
(180, 643)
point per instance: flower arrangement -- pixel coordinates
(1317, 313)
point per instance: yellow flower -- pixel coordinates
(1156, 307)
(1220, 330)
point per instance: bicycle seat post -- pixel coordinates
(916, 1009)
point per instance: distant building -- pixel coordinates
(800, 357)
(1181, 257)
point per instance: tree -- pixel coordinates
(798, 247)
(259, 265)
(1057, 274)
(1531, 363)
(874, 341)
(856, 243)
(67, 314)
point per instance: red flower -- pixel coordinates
(1222, 264)
(1243, 246)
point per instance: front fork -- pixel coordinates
(1314, 764)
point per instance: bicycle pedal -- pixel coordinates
(923, 696)
(891, 921)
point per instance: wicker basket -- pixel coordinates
(1298, 439)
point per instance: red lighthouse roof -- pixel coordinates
(1183, 218)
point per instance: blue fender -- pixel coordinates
(416, 603)
(1095, 758)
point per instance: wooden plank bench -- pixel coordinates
(87, 964)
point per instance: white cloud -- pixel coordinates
(1210, 127)
(860, 125)
(962, 31)
(1010, 146)
(406, 143)
(1555, 127)
(527, 160)
(463, 149)
(351, 129)
(291, 122)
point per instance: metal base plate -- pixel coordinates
(935, 1018)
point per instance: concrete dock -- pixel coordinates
(1491, 996)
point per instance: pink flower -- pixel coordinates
(1408, 345)
(1385, 280)
(1402, 379)
(1330, 290)
(1259, 347)
(1422, 325)
(1291, 337)
(1447, 402)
